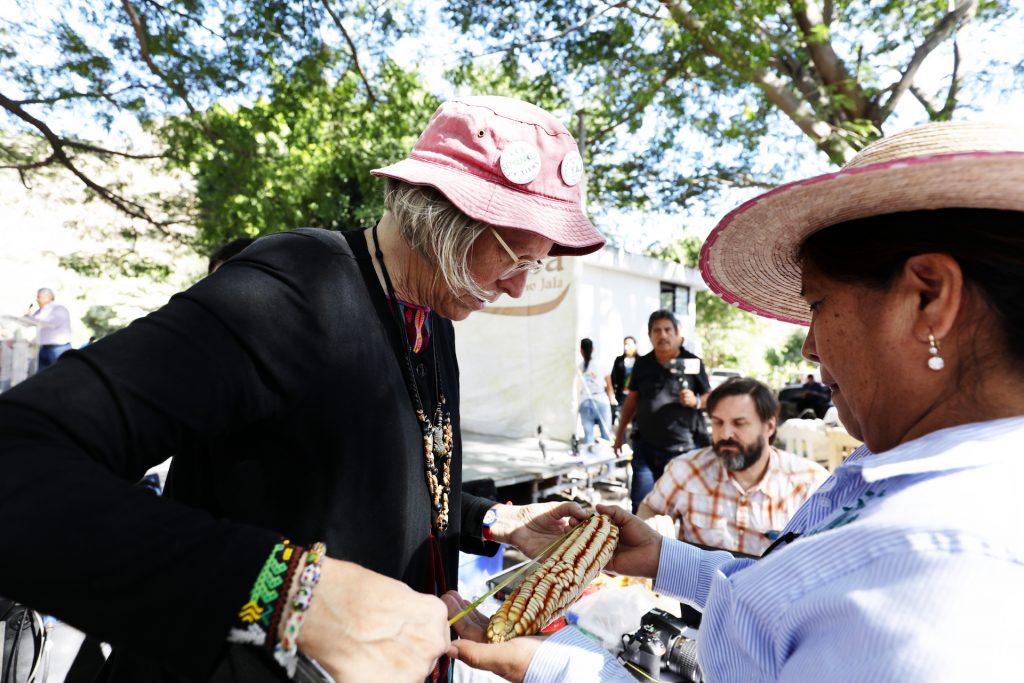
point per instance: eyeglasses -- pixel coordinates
(521, 265)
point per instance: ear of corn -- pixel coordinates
(547, 592)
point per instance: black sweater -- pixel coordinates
(276, 386)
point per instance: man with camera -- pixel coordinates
(742, 490)
(666, 391)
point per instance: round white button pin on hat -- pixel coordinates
(520, 162)
(571, 168)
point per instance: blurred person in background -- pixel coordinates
(594, 397)
(740, 492)
(226, 251)
(622, 370)
(54, 327)
(666, 392)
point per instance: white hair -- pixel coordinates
(438, 231)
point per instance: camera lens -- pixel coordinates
(682, 659)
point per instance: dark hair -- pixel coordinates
(227, 250)
(629, 337)
(587, 349)
(764, 400)
(987, 243)
(662, 314)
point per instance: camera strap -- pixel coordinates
(781, 540)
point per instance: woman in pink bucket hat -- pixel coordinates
(308, 390)
(907, 563)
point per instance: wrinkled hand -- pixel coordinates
(639, 549)
(364, 626)
(509, 660)
(532, 528)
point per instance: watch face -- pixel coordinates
(490, 517)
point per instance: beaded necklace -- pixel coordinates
(437, 431)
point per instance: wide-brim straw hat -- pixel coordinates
(751, 259)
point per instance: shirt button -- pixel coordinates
(421, 370)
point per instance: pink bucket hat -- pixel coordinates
(751, 258)
(507, 163)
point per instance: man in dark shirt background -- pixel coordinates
(666, 394)
(816, 397)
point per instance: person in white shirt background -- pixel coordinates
(54, 327)
(595, 397)
(906, 564)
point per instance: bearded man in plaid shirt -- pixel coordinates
(737, 494)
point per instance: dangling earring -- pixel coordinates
(935, 362)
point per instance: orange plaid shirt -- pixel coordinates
(713, 510)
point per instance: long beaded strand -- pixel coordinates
(437, 432)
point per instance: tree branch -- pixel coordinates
(352, 48)
(828, 13)
(103, 151)
(931, 107)
(184, 15)
(955, 82)
(108, 96)
(778, 93)
(790, 66)
(561, 34)
(139, 27)
(827, 63)
(964, 10)
(639, 105)
(59, 155)
(22, 168)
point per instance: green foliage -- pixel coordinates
(728, 335)
(707, 91)
(277, 108)
(101, 321)
(115, 263)
(301, 156)
(789, 354)
(787, 362)
(685, 250)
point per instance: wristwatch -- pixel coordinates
(490, 517)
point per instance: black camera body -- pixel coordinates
(662, 642)
(677, 380)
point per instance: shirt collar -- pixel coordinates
(944, 450)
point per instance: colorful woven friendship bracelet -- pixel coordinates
(287, 649)
(258, 617)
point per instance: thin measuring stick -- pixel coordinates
(526, 567)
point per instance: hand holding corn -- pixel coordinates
(532, 528)
(639, 548)
(510, 660)
(554, 585)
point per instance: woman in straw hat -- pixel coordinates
(906, 565)
(308, 391)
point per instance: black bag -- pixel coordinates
(701, 434)
(23, 644)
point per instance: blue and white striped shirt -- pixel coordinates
(910, 567)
